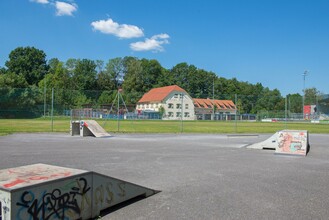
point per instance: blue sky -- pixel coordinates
(268, 41)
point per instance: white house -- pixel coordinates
(175, 101)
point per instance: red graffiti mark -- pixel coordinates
(14, 183)
(36, 178)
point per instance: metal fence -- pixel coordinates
(117, 105)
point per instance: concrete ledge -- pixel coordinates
(42, 191)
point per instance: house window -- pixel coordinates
(170, 114)
(176, 96)
(170, 105)
(178, 106)
(178, 114)
(186, 106)
(186, 114)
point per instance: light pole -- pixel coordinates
(304, 76)
(182, 111)
(213, 98)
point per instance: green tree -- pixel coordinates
(162, 111)
(107, 97)
(84, 75)
(151, 73)
(270, 101)
(106, 77)
(311, 96)
(179, 75)
(201, 83)
(2, 70)
(11, 80)
(133, 80)
(294, 102)
(28, 62)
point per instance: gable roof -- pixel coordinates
(208, 103)
(159, 94)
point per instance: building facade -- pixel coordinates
(212, 109)
(174, 103)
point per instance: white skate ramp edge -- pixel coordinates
(269, 143)
(95, 128)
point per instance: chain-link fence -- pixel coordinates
(175, 106)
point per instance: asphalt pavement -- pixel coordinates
(200, 176)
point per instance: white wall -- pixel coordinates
(175, 98)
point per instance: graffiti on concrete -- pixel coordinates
(35, 173)
(292, 142)
(4, 205)
(106, 193)
(56, 204)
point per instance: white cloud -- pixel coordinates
(154, 43)
(120, 30)
(63, 8)
(40, 1)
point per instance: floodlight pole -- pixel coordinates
(213, 98)
(182, 97)
(304, 76)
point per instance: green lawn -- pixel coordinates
(9, 126)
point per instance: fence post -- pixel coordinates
(286, 111)
(236, 111)
(52, 109)
(45, 98)
(118, 113)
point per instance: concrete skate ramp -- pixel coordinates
(42, 191)
(270, 143)
(91, 127)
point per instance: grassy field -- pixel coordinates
(9, 126)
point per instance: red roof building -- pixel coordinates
(173, 98)
(159, 94)
(174, 101)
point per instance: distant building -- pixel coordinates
(172, 98)
(210, 109)
(176, 103)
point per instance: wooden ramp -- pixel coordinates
(42, 191)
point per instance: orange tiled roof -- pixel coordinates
(208, 103)
(159, 94)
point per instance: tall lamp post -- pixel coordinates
(304, 76)
(213, 98)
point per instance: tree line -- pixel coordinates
(83, 81)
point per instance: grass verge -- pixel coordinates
(9, 126)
